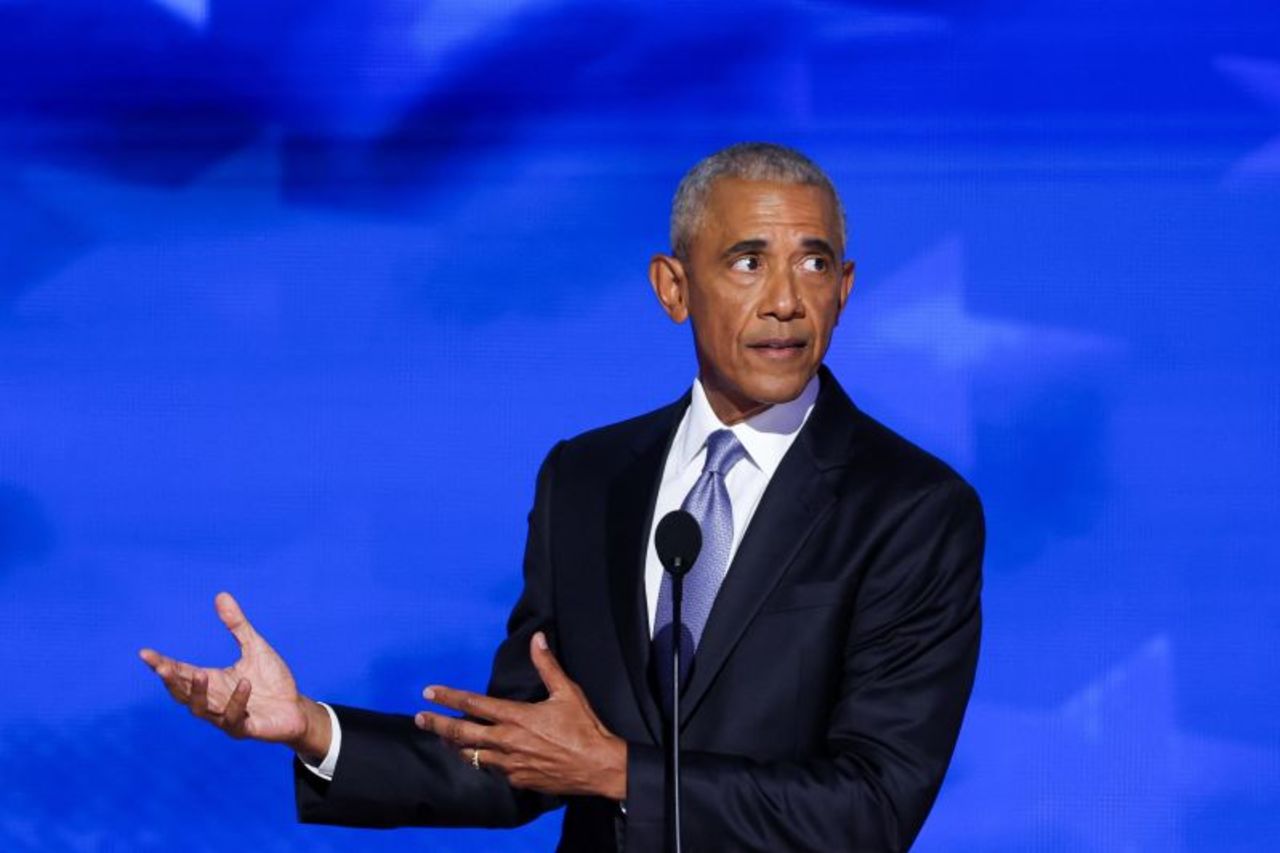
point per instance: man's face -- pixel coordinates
(764, 285)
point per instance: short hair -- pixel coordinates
(748, 161)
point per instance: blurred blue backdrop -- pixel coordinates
(268, 268)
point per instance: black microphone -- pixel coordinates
(677, 540)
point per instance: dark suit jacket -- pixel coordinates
(830, 681)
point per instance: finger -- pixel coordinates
(458, 731)
(234, 715)
(548, 667)
(179, 687)
(163, 665)
(175, 675)
(198, 701)
(160, 664)
(494, 758)
(233, 617)
(475, 704)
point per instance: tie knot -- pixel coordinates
(723, 451)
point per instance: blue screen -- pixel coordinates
(295, 297)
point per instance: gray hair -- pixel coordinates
(748, 161)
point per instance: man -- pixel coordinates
(833, 613)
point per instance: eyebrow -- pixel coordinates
(812, 244)
(756, 245)
(817, 244)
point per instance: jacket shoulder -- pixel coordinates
(898, 464)
(603, 447)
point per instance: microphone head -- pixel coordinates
(678, 540)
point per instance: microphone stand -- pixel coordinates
(673, 732)
(677, 539)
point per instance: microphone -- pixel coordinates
(678, 539)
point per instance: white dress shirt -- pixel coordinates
(766, 437)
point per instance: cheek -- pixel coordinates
(720, 341)
(733, 331)
(720, 322)
(826, 308)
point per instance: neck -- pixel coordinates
(729, 408)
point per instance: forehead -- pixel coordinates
(738, 209)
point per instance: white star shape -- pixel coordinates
(912, 337)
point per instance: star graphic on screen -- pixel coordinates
(1108, 769)
(1261, 79)
(922, 308)
(194, 13)
(916, 324)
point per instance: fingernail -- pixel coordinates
(429, 694)
(540, 640)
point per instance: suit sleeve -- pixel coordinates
(909, 660)
(391, 773)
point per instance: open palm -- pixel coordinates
(255, 698)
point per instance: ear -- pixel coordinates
(670, 285)
(846, 286)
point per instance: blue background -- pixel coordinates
(295, 296)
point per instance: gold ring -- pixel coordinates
(475, 758)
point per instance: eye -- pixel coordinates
(815, 263)
(746, 263)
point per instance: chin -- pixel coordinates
(780, 389)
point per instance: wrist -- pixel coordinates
(615, 777)
(317, 733)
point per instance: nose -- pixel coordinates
(781, 298)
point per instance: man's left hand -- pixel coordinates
(557, 746)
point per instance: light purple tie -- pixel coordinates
(708, 502)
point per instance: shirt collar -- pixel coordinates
(766, 437)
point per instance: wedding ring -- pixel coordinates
(475, 758)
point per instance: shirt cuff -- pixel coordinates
(326, 767)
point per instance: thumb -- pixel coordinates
(548, 667)
(233, 617)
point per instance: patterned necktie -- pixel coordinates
(708, 502)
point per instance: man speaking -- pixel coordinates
(831, 619)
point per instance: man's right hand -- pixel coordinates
(256, 698)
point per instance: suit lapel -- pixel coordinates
(798, 496)
(629, 517)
